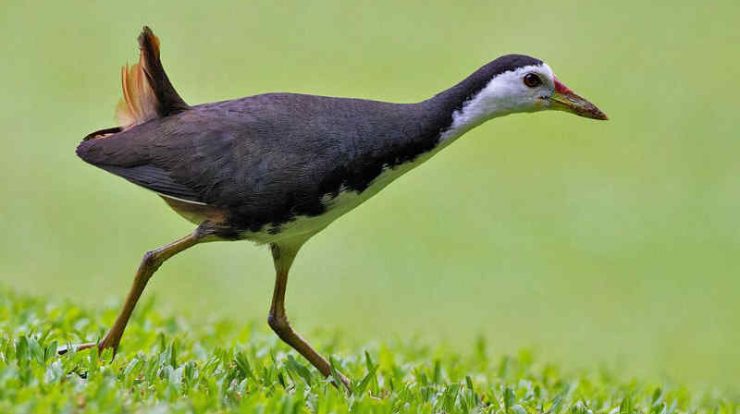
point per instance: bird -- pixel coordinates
(278, 168)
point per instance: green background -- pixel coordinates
(593, 243)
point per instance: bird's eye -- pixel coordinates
(532, 80)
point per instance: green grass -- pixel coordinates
(615, 241)
(167, 365)
(612, 243)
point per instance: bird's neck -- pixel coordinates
(455, 111)
(422, 129)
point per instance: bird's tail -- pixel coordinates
(147, 91)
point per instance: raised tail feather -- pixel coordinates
(147, 91)
(147, 94)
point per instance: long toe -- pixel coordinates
(79, 347)
(346, 382)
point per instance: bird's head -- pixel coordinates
(514, 84)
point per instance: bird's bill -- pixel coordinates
(564, 99)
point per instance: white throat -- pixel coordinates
(503, 95)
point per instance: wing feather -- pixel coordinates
(155, 179)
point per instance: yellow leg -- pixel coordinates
(283, 256)
(149, 264)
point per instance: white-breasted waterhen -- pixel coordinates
(278, 168)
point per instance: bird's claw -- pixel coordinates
(78, 347)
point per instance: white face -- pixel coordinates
(526, 89)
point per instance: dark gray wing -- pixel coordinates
(155, 179)
(270, 157)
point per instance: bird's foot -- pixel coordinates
(106, 343)
(77, 347)
(346, 382)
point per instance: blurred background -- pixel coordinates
(592, 243)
